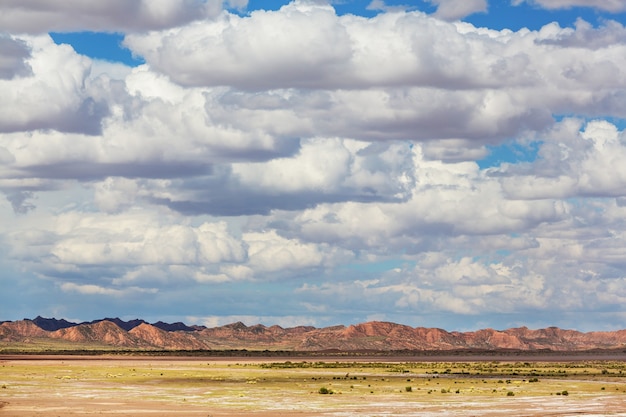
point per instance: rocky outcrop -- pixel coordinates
(100, 333)
(52, 324)
(21, 330)
(126, 325)
(172, 340)
(178, 326)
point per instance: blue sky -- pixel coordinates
(445, 163)
(98, 45)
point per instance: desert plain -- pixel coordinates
(128, 385)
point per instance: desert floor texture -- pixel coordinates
(154, 386)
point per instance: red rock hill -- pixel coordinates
(376, 335)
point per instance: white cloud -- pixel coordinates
(53, 95)
(575, 161)
(321, 164)
(124, 245)
(448, 200)
(216, 125)
(394, 76)
(90, 289)
(130, 239)
(584, 35)
(458, 9)
(270, 252)
(396, 49)
(136, 248)
(115, 194)
(285, 321)
(262, 44)
(362, 52)
(337, 168)
(464, 287)
(376, 5)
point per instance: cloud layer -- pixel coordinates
(613, 6)
(317, 167)
(39, 16)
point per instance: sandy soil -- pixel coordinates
(87, 386)
(46, 406)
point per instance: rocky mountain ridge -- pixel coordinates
(370, 336)
(52, 324)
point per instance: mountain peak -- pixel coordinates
(172, 327)
(236, 326)
(52, 324)
(126, 325)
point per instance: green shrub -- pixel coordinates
(325, 391)
(408, 389)
(510, 394)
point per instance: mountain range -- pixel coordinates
(371, 336)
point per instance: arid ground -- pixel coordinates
(152, 386)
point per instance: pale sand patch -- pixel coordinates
(535, 407)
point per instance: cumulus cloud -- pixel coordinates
(132, 252)
(136, 252)
(129, 240)
(224, 124)
(335, 167)
(575, 160)
(264, 40)
(269, 256)
(53, 94)
(346, 51)
(430, 80)
(448, 200)
(115, 194)
(564, 245)
(584, 35)
(441, 284)
(341, 170)
(469, 287)
(365, 53)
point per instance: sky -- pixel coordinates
(439, 163)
